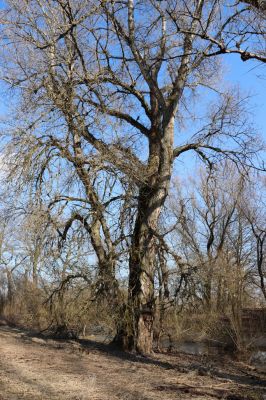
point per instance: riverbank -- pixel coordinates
(34, 368)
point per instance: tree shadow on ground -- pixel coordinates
(196, 366)
(113, 351)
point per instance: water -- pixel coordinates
(257, 355)
(211, 348)
(194, 348)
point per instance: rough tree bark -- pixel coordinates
(142, 253)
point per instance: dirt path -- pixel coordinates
(33, 369)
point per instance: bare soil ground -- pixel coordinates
(35, 368)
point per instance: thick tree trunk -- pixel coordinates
(208, 292)
(141, 301)
(10, 287)
(135, 333)
(35, 261)
(106, 285)
(260, 257)
(141, 278)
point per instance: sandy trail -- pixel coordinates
(35, 369)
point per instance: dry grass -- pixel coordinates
(37, 369)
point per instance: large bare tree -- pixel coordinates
(253, 208)
(108, 85)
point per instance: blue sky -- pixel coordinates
(249, 75)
